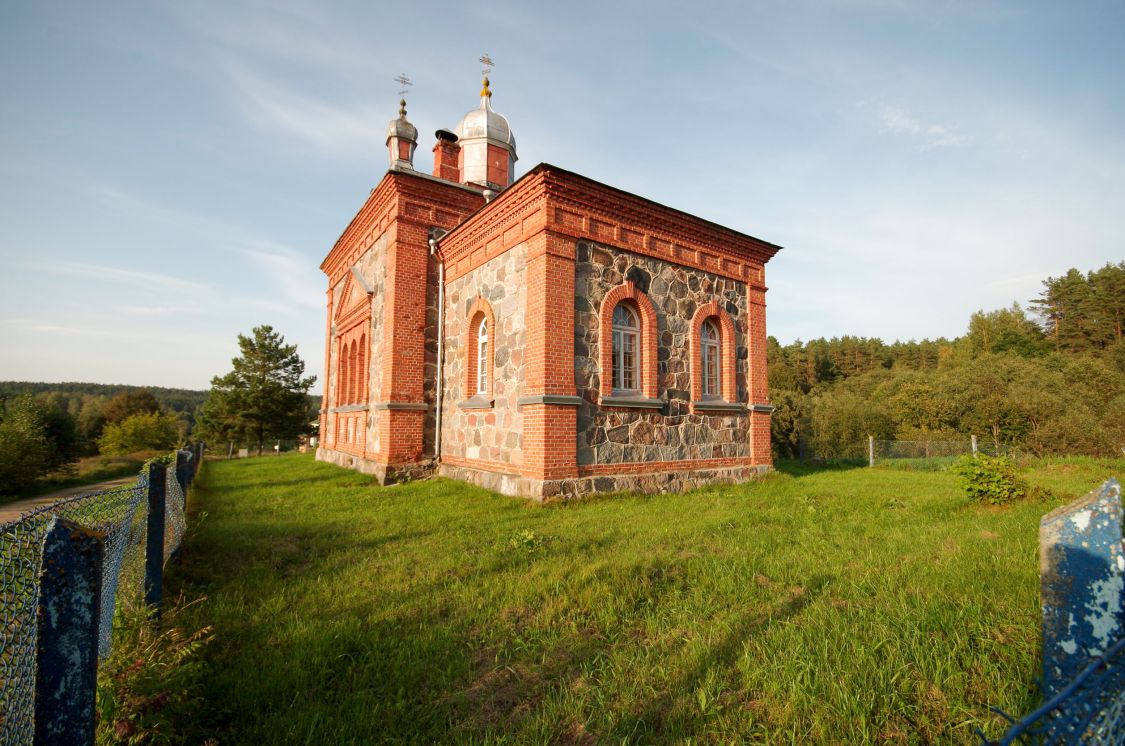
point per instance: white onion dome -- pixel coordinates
(486, 124)
(400, 127)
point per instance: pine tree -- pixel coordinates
(264, 397)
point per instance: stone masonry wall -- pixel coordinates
(373, 268)
(614, 436)
(494, 434)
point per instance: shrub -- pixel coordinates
(145, 431)
(990, 479)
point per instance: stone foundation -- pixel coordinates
(517, 485)
(384, 473)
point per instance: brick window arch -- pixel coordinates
(638, 304)
(480, 350)
(361, 376)
(717, 320)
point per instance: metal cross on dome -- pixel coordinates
(403, 81)
(487, 62)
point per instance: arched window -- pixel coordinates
(361, 377)
(709, 359)
(482, 357)
(479, 355)
(626, 349)
(351, 375)
(627, 354)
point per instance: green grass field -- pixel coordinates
(814, 606)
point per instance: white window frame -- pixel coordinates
(710, 347)
(482, 357)
(626, 339)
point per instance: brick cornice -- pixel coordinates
(399, 195)
(572, 205)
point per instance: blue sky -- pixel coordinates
(172, 174)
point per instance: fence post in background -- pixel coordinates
(974, 445)
(181, 470)
(1082, 573)
(67, 648)
(870, 450)
(154, 542)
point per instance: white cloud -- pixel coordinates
(898, 120)
(131, 277)
(298, 279)
(332, 128)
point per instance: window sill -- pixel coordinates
(631, 402)
(476, 402)
(717, 405)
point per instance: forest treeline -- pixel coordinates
(1046, 379)
(46, 433)
(78, 395)
(45, 428)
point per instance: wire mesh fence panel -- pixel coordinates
(174, 521)
(119, 514)
(920, 450)
(1090, 710)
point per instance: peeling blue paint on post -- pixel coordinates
(67, 655)
(154, 538)
(1082, 571)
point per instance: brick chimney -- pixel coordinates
(446, 152)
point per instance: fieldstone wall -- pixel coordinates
(493, 434)
(372, 267)
(673, 434)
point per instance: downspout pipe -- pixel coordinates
(440, 393)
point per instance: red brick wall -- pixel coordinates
(548, 429)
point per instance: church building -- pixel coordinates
(543, 336)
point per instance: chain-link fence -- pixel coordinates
(1090, 710)
(931, 453)
(120, 518)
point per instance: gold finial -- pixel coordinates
(402, 108)
(484, 92)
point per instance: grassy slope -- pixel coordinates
(833, 606)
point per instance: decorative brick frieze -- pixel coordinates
(551, 198)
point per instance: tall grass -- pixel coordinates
(830, 605)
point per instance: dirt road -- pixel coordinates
(12, 511)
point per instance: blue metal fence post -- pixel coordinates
(1082, 572)
(154, 541)
(67, 649)
(182, 470)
